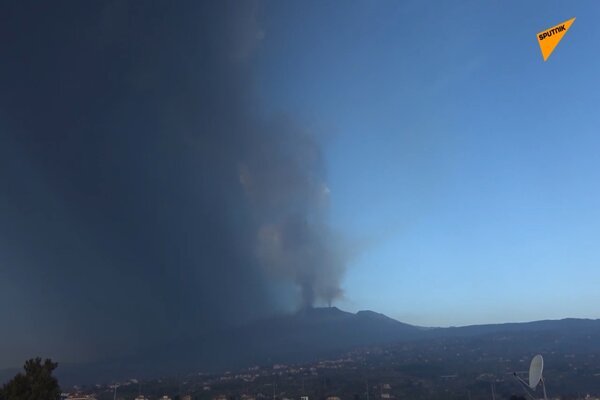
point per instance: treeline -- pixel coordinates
(35, 383)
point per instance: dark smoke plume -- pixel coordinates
(143, 193)
(282, 175)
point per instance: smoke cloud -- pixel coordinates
(144, 193)
(282, 175)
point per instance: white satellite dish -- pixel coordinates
(535, 371)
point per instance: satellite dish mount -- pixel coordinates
(536, 368)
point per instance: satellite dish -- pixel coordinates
(535, 371)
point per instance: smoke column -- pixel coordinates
(144, 194)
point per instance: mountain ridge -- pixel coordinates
(301, 337)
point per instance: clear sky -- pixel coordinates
(463, 167)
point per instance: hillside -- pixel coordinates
(317, 333)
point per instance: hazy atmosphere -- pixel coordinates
(171, 167)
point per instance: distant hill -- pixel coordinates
(321, 331)
(567, 326)
(312, 334)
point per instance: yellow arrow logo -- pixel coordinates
(549, 38)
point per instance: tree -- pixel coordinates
(36, 384)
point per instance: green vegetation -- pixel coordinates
(37, 383)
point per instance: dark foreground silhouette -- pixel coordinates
(37, 383)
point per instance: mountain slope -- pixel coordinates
(321, 333)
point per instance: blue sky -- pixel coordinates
(462, 166)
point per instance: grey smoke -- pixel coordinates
(144, 193)
(282, 175)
